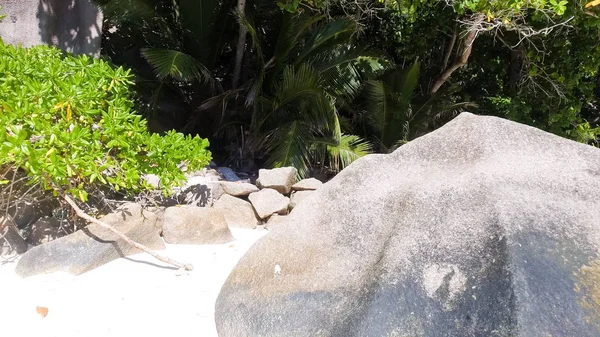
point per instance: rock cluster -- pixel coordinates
(201, 212)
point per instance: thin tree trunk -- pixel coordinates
(450, 48)
(102, 224)
(460, 61)
(239, 52)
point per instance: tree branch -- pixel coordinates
(460, 61)
(83, 215)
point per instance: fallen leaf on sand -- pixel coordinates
(43, 311)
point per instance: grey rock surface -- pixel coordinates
(269, 201)
(307, 185)
(200, 191)
(238, 213)
(44, 230)
(280, 179)
(11, 241)
(275, 221)
(298, 196)
(195, 225)
(25, 213)
(93, 245)
(74, 26)
(484, 227)
(238, 189)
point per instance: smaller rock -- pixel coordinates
(228, 174)
(268, 201)
(298, 196)
(195, 225)
(200, 191)
(238, 213)
(280, 179)
(275, 221)
(238, 189)
(307, 185)
(44, 230)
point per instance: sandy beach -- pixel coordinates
(132, 296)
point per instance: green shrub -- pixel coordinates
(68, 121)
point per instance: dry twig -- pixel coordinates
(102, 224)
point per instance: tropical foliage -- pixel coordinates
(68, 124)
(321, 83)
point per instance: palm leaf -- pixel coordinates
(340, 153)
(289, 146)
(346, 53)
(172, 63)
(345, 67)
(403, 82)
(292, 29)
(331, 34)
(299, 96)
(384, 113)
(388, 107)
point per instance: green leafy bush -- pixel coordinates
(68, 121)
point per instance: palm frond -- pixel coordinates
(388, 105)
(340, 153)
(302, 89)
(344, 69)
(292, 28)
(368, 61)
(331, 34)
(289, 146)
(177, 65)
(408, 82)
(220, 101)
(299, 96)
(385, 112)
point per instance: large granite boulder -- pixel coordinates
(483, 228)
(93, 245)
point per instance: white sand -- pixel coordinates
(134, 296)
